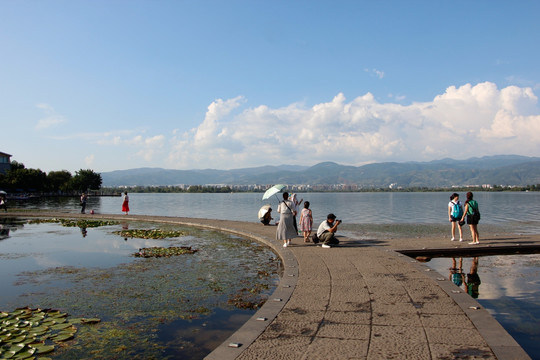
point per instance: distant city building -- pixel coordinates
(5, 162)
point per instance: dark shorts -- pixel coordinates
(471, 220)
(453, 219)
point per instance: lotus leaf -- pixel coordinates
(8, 354)
(63, 336)
(74, 223)
(18, 339)
(164, 252)
(16, 347)
(44, 349)
(25, 354)
(149, 233)
(90, 321)
(60, 326)
(30, 339)
(21, 338)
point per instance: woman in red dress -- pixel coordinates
(125, 204)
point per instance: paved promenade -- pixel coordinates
(361, 300)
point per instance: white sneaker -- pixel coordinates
(452, 239)
(325, 246)
(285, 245)
(460, 240)
(288, 242)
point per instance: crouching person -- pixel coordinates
(327, 231)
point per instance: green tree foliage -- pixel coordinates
(27, 179)
(59, 181)
(85, 180)
(17, 165)
(19, 178)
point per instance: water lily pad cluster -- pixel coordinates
(82, 223)
(26, 333)
(150, 233)
(157, 251)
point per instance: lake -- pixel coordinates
(172, 307)
(508, 286)
(502, 211)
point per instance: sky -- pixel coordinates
(114, 85)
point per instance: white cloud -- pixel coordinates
(375, 72)
(89, 160)
(462, 122)
(52, 118)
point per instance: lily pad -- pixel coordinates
(64, 336)
(150, 233)
(164, 252)
(21, 338)
(44, 349)
(61, 326)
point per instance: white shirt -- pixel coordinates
(285, 208)
(451, 205)
(323, 227)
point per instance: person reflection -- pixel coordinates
(473, 280)
(84, 232)
(4, 232)
(456, 272)
(125, 226)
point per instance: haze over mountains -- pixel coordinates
(494, 170)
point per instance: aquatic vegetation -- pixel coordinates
(157, 251)
(82, 223)
(154, 307)
(150, 233)
(27, 332)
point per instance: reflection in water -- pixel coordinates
(473, 280)
(456, 273)
(510, 291)
(469, 282)
(4, 232)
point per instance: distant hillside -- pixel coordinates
(496, 170)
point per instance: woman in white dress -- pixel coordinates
(285, 230)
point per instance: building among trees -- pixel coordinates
(5, 163)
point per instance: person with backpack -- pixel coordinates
(473, 217)
(455, 212)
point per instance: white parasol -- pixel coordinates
(273, 191)
(263, 210)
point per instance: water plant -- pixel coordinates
(150, 233)
(26, 332)
(151, 308)
(158, 251)
(82, 223)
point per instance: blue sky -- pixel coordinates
(109, 85)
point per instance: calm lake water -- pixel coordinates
(179, 307)
(507, 286)
(506, 211)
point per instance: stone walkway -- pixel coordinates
(360, 301)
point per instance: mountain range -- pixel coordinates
(494, 170)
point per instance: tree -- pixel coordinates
(59, 180)
(16, 165)
(86, 179)
(26, 179)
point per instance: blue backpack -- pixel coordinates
(457, 211)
